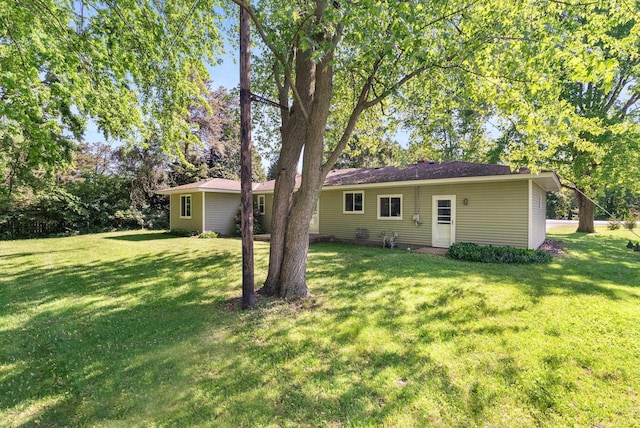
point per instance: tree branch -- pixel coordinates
(631, 101)
(615, 92)
(281, 59)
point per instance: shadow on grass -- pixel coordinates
(137, 237)
(155, 339)
(107, 335)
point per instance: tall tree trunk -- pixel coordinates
(294, 264)
(292, 212)
(282, 201)
(294, 132)
(586, 212)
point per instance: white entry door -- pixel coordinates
(314, 225)
(443, 231)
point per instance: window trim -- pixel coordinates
(380, 197)
(183, 199)
(344, 202)
(262, 207)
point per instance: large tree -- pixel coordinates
(336, 59)
(592, 137)
(217, 128)
(125, 64)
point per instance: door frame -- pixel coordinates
(434, 218)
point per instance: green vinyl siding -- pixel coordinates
(496, 213)
(343, 226)
(220, 212)
(265, 219)
(195, 222)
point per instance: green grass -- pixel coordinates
(142, 329)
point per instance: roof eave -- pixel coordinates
(195, 189)
(548, 180)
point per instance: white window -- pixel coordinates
(390, 207)
(353, 202)
(185, 206)
(261, 205)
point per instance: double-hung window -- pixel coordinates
(390, 207)
(185, 206)
(261, 205)
(353, 202)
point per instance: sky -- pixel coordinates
(226, 74)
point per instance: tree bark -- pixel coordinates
(292, 212)
(282, 201)
(294, 263)
(586, 210)
(294, 130)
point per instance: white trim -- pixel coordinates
(197, 189)
(344, 211)
(203, 211)
(264, 204)
(530, 214)
(434, 216)
(317, 211)
(170, 220)
(394, 217)
(186, 195)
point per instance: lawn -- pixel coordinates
(142, 329)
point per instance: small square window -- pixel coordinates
(390, 207)
(353, 202)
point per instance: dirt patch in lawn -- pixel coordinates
(552, 247)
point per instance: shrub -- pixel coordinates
(630, 221)
(257, 225)
(182, 233)
(208, 235)
(614, 223)
(477, 253)
(131, 218)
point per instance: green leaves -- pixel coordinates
(124, 64)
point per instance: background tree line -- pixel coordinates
(106, 187)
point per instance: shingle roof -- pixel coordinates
(424, 170)
(211, 184)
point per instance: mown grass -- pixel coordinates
(141, 329)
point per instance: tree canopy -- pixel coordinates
(134, 68)
(591, 135)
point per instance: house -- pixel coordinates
(425, 204)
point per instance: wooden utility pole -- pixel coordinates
(246, 191)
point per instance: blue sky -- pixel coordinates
(226, 74)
